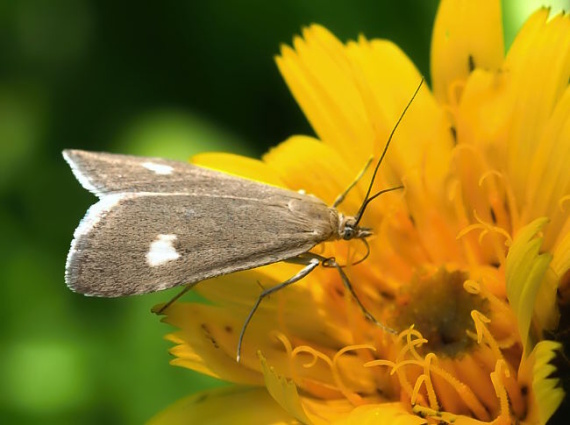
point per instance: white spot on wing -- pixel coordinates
(158, 168)
(162, 251)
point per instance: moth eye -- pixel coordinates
(348, 233)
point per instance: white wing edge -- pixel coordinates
(79, 175)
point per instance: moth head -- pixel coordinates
(349, 229)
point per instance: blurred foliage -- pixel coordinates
(166, 78)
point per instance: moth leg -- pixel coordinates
(341, 197)
(176, 298)
(310, 263)
(365, 242)
(331, 262)
(367, 246)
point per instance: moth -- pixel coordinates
(161, 223)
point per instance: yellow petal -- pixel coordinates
(319, 318)
(233, 405)
(524, 273)
(319, 74)
(238, 165)
(313, 319)
(386, 413)
(388, 79)
(352, 95)
(538, 66)
(561, 256)
(467, 35)
(207, 342)
(240, 289)
(550, 180)
(485, 114)
(304, 163)
(312, 410)
(536, 373)
(433, 218)
(208, 336)
(284, 392)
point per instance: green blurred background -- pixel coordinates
(168, 78)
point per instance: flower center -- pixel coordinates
(439, 307)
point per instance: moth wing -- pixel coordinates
(105, 173)
(132, 243)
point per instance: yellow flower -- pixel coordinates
(466, 262)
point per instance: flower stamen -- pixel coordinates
(315, 354)
(427, 366)
(281, 337)
(563, 201)
(487, 229)
(351, 396)
(501, 392)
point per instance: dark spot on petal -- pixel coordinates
(453, 134)
(471, 63)
(496, 264)
(524, 390)
(209, 336)
(411, 218)
(201, 398)
(493, 215)
(228, 329)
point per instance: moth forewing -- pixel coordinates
(102, 173)
(160, 224)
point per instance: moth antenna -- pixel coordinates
(367, 200)
(377, 194)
